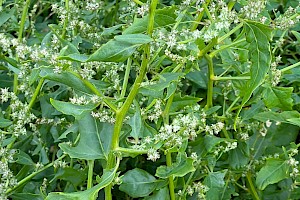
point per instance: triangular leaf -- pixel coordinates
(95, 139)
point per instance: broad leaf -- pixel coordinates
(286, 116)
(95, 139)
(23, 158)
(239, 156)
(5, 123)
(274, 171)
(90, 194)
(180, 168)
(4, 16)
(258, 36)
(280, 97)
(67, 78)
(72, 109)
(120, 48)
(163, 17)
(162, 194)
(215, 182)
(138, 183)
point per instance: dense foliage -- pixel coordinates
(148, 99)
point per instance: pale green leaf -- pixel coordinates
(180, 168)
(258, 36)
(75, 110)
(274, 171)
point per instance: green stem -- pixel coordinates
(207, 48)
(212, 54)
(224, 78)
(233, 103)
(199, 17)
(66, 19)
(96, 91)
(90, 174)
(290, 67)
(36, 92)
(171, 182)
(138, 2)
(207, 12)
(126, 76)
(167, 108)
(240, 25)
(210, 84)
(28, 178)
(252, 188)
(23, 19)
(130, 151)
(121, 113)
(187, 183)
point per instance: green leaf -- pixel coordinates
(90, 194)
(94, 142)
(27, 196)
(285, 116)
(163, 17)
(120, 48)
(294, 121)
(239, 157)
(67, 78)
(297, 35)
(274, 171)
(68, 108)
(258, 36)
(74, 176)
(180, 102)
(162, 194)
(280, 97)
(180, 168)
(138, 183)
(136, 123)
(23, 158)
(5, 123)
(4, 16)
(215, 182)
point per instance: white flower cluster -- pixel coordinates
(182, 127)
(104, 115)
(214, 128)
(253, 8)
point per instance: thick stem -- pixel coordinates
(121, 113)
(90, 174)
(252, 187)
(210, 84)
(171, 182)
(207, 48)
